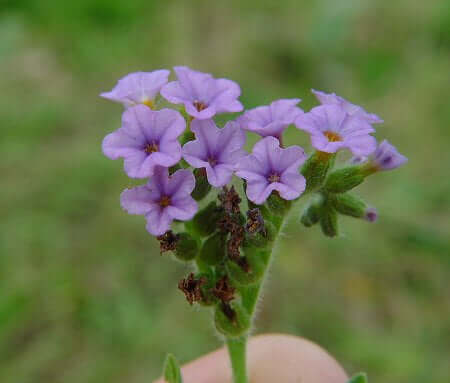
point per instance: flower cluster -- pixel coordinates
(169, 137)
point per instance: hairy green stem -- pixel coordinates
(237, 351)
(250, 296)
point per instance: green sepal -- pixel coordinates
(344, 179)
(208, 297)
(277, 205)
(205, 221)
(358, 378)
(171, 371)
(231, 320)
(186, 137)
(187, 247)
(312, 213)
(316, 168)
(257, 262)
(348, 204)
(213, 250)
(329, 220)
(202, 186)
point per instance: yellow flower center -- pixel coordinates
(151, 148)
(164, 201)
(149, 103)
(332, 136)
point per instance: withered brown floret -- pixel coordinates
(167, 241)
(223, 290)
(191, 287)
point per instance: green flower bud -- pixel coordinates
(187, 247)
(316, 168)
(328, 220)
(351, 205)
(213, 250)
(202, 186)
(343, 180)
(231, 320)
(205, 221)
(312, 213)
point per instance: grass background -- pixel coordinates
(84, 294)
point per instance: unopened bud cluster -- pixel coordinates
(169, 138)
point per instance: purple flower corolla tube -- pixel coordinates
(146, 139)
(216, 150)
(163, 199)
(203, 95)
(270, 168)
(138, 88)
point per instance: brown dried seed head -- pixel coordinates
(167, 241)
(230, 200)
(223, 290)
(191, 287)
(255, 221)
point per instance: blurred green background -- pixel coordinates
(84, 294)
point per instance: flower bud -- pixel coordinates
(202, 186)
(213, 250)
(348, 204)
(312, 213)
(205, 221)
(316, 168)
(231, 319)
(344, 179)
(187, 247)
(328, 220)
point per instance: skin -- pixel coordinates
(271, 358)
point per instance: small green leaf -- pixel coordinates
(172, 373)
(358, 378)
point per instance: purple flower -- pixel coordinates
(270, 168)
(138, 88)
(387, 157)
(273, 119)
(351, 109)
(332, 128)
(163, 199)
(216, 150)
(202, 95)
(146, 139)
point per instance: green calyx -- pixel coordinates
(213, 250)
(316, 168)
(205, 221)
(187, 247)
(344, 179)
(231, 319)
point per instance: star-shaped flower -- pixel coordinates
(202, 95)
(352, 109)
(146, 139)
(332, 129)
(271, 168)
(216, 150)
(273, 119)
(138, 88)
(163, 199)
